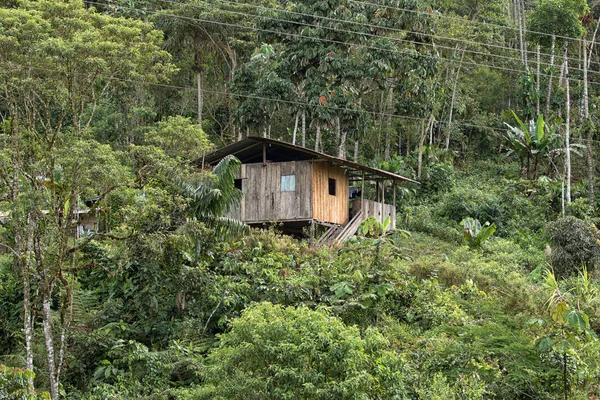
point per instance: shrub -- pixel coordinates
(574, 245)
(285, 353)
(466, 201)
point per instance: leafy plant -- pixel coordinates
(531, 143)
(475, 234)
(574, 245)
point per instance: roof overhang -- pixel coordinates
(250, 150)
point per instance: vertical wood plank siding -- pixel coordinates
(328, 208)
(263, 199)
(375, 209)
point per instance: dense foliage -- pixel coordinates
(488, 289)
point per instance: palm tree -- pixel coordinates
(215, 196)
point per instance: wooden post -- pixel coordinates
(264, 154)
(312, 232)
(393, 224)
(382, 198)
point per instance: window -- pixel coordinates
(237, 183)
(288, 183)
(332, 186)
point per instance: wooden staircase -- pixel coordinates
(340, 233)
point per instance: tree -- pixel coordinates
(58, 60)
(338, 53)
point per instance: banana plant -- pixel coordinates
(532, 142)
(475, 234)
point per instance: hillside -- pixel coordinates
(122, 276)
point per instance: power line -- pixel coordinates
(219, 92)
(288, 101)
(343, 42)
(464, 20)
(374, 26)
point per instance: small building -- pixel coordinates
(302, 190)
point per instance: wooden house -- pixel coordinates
(301, 189)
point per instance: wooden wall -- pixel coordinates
(328, 208)
(375, 209)
(263, 199)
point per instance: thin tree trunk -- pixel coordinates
(303, 128)
(549, 94)
(399, 142)
(200, 96)
(342, 148)
(46, 320)
(382, 106)
(27, 314)
(452, 101)
(295, 128)
(356, 149)
(338, 130)
(537, 81)
(522, 27)
(388, 125)
(586, 112)
(422, 137)
(589, 59)
(568, 127)
(318, 138)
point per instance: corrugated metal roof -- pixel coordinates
(250, 150)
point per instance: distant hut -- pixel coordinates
(302, 190)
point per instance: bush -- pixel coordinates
(285, 353)
(465, 201)
(574, 245)
(436, 178)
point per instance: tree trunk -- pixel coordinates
(537, 81)
(586, 114)
(549, 94)
(356, 150)
(303, 128)
(518, 15)
(399, 142)
(422, 137)
(47, 323)
(342, 148)
(27, 314)
(388, 125)
(338, 130)
(452, 101)
(295, 128)
(589, 59)
(199, 68)
(522, 30)
(568, 127)
(318, 137)
(200, 96)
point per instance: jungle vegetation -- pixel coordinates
(489, 289)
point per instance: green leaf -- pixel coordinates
(341, 289)
(545, 343)
(577, 320)
(539, 128)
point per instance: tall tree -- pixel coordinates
(57, 61)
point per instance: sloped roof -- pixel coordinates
(250, 150)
